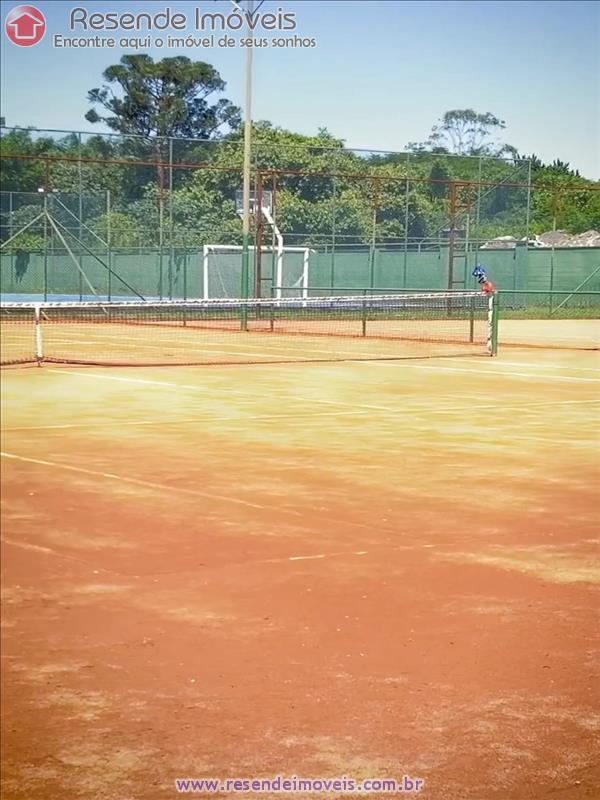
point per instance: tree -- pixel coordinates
(171, 97)
(465, 132)
(18, 174)
(439, 172)
(563, 200)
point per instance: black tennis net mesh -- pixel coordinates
(250, 331)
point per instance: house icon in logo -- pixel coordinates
(25, 26)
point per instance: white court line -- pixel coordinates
(123, 350)
(49, 551)
(481, 372)
(500, 406)
(253, 346)
(402, 408)
(502, 363)
(205, 418)
(322, 555)
(273, 354)
(213, 389)
(282, 560)
(149, 484)
(168, 384)
(274, 347)
(282, 511)
(405, 409)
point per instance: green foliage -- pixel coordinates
(119, 228)
(439, 172)
(27, 242)
(30, 239)
(563, 202)
(170, 97)
(465, 132)
(326, 191)
(23, 175)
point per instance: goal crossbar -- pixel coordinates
(278, 277)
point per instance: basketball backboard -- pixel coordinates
(266, 201)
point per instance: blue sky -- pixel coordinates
(380, 76)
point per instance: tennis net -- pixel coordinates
(248, 331)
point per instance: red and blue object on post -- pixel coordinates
(487, 287)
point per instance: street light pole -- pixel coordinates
(247, 161)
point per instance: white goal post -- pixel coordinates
(280, 251)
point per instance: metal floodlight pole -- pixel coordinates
(45, 215)
(95, 256)
(80, 222)
(247, 159)
(65, 244)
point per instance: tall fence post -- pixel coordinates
(45, 246)
(12, 258)
(528, 209)
(161, 201)
(109, 244)
(452, 234)
(551, 281)
(171, 243)
(406, 222)
(80, 198)
(333, 233)
(376, 188)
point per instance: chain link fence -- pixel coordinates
(117, 216)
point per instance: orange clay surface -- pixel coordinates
(362, 569)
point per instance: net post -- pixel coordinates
(305, 267)
(39, 352)
(245, 280)
(205, 256)
(108, 245)
(550, 293)
(272, 314)
(185, 271)
(493, 315)
(364, 313)
(472, 320)
(258, 236)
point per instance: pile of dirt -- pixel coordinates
(549, 239)
(500, 243)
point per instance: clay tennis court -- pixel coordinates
(368, 569)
